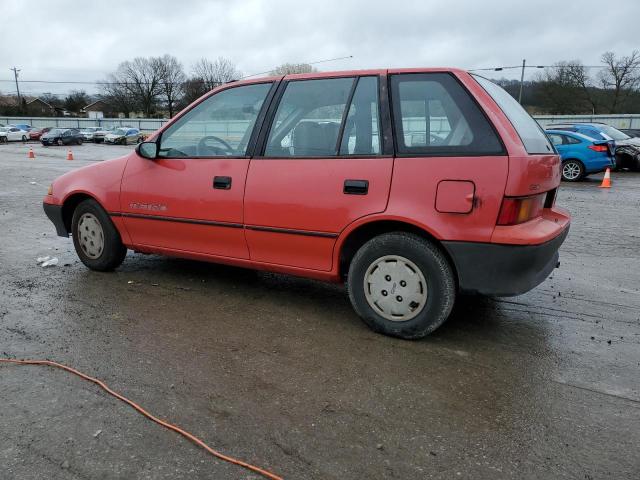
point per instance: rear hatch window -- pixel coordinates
(531, 134)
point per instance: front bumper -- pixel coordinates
(54, 212)
(504, 270)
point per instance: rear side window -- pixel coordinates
(435, 115)
(531, 134)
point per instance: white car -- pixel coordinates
(88, 132)
(124, 136)
(13, 134)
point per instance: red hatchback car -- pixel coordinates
(410, 185)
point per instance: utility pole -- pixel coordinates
(15, 74)
(524, 63)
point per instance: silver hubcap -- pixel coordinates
(395, 288)
(90, 236)
(571, 170)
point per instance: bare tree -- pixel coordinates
(192, 88)
(287, 68)
(76, 101)
(621, 75)
(221, 70)
(581, 79)
(140, 79)
(172, 78)
(117, 97)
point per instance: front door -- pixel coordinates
(322, 169)
(189, 199)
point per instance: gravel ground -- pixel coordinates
(279, 371)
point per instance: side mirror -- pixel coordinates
(148, 150)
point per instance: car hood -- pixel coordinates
(635, 142)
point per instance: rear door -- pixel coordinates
(322, 167)
(190, 198)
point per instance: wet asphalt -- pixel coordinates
(280, 372)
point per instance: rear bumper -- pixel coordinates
(504, 270)
(598, 166)
(54, 212)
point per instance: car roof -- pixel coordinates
(572, 134)
(577, 124)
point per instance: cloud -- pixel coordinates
(68, 40)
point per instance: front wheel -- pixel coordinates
(401, 285)
(572, 170)
(95, 238)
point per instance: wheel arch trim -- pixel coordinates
(365, 228)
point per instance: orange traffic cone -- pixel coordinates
(69, 155)
(606, 181)
(31, 154)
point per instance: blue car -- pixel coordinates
(626, 148)
(581, 155)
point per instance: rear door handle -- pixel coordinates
(356, 187)
(222, 183)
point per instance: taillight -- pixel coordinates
(517, 210)
(599, 148)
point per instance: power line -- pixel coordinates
(304, 63)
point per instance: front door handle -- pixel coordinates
(222, 183)
(356, 187)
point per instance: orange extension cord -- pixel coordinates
(193, 438)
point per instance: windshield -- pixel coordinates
(56, 131)
(614, 133)
(119, 131)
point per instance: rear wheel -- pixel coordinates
(79, 141)
(95, 238)
(572, 170)
(401, 285)
(24, 138)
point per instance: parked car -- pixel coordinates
(308, 175)
(632, 132)
(22, 126)
(88, 133)
(98, 135)
(581, 155)
(627, 149)
(62, 136)
(124, 136)
(36, 133)
(12, 134)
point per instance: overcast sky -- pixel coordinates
(83, 41)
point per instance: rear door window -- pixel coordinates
(434, 115)
(531, 134)
(309, 116)
(362, 126)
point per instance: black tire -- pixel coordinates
(435, 268)
(569, 169)
(79, 141)
(24, 138)
(113, 252)
(59, 142)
